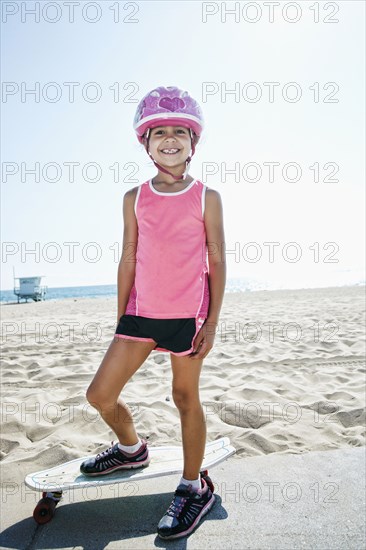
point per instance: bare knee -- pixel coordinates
(186, 400)
(93, 396)
(98, 398)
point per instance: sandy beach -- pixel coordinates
(286, 376)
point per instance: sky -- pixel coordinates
(286, 93)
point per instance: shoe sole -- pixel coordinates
(128, 466)
(204, 511)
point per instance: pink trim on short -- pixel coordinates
(134, 338)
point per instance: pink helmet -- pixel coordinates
(167, 107)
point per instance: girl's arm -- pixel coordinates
(214, 225)
(127, 264)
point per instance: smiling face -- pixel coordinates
(170, 145)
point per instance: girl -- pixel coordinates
(169, 299)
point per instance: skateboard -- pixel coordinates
(163, 461)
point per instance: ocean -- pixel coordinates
(239, 284)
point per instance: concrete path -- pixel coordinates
(314, 500)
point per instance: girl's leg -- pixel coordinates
(186, 375)
(120, 362)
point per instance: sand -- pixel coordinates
(286, 375)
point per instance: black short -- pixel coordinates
(173, 335)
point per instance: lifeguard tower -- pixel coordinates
(30, 288)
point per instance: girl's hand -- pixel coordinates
(204, 341)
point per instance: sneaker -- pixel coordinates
(113, 459)
(185, 511)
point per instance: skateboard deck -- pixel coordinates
(163, 461)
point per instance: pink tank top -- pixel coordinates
(171, 277)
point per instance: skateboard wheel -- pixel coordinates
(45, 510)
(208, 480)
